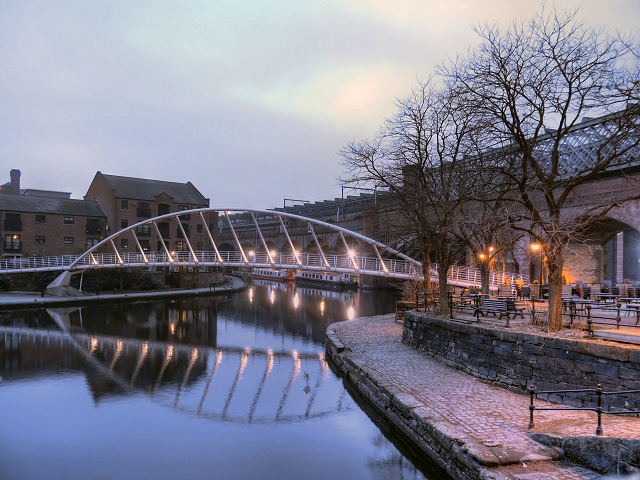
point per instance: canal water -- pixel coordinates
(198, 388)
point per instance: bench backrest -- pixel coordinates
(493, 303)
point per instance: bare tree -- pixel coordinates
(531, 85)
(418, 156)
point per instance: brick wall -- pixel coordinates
(585, 262)
(515, 360)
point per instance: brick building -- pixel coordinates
(39, 226)
(128, 200)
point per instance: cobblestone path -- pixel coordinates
(473, 411)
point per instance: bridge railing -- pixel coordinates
(363, 264)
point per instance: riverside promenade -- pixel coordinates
(19, 299)
(470, 428)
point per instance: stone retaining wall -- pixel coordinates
(515, 360)
(403, 411)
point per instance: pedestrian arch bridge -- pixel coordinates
(362, 255)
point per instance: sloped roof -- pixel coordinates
(52, 205)
(146, 189)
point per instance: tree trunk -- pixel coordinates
(484, 277)
(443, 268)
(555, 263)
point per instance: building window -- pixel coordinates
(68, 221)
(143, 230)
(185, 227)
(124, 243)
(93, 226)
(92, 242)
(12, 221)
(12, 243)
(41, 219)
(182, 208)
(124, 204)
(41, 239)
(124, 223)
(68, 240)
(181, 246)
(163, 209)
(145, 245)
(199, 228)
(199, 246)
(143, 210)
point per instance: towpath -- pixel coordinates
(488, 419)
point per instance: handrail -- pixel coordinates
(598, 391)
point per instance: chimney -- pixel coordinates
(15, 182)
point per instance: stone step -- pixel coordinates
(623, 335)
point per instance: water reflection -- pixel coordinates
(250, 361)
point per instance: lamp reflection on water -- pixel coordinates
(351, 313)
(322, 306)
(296, 301)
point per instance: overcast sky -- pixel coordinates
(250, 100)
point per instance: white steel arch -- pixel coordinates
(398, 266)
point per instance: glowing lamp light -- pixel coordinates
(482, 256)
(535, 247)
(491, 249)
(251, 253)
(352, 253)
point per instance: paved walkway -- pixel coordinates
(18, 299)
(470, 410)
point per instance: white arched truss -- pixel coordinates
(393, 264)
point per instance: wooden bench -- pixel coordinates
(513, 308)
(490, 305)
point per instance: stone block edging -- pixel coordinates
(418, 422)
(515, 360)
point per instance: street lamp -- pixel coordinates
(536, 247)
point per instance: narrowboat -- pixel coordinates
(326, 281)
(274, 275)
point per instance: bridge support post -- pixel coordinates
(61, 287)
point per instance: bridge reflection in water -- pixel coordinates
(170, 351)
(240, 383)
(224, 383)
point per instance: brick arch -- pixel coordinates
(592, 261)
(629, 214)
(338, 247)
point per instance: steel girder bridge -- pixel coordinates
(380, 260)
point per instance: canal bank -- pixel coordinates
(15, 299)
(470, 428)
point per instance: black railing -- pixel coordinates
(591, 317)
(429, 299)
(598, 391)
(13, 225)
(13, 247)
(143, 212)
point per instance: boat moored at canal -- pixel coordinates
(274, 275)
(327, 281)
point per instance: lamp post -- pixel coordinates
(486, 257)
(536, 247)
